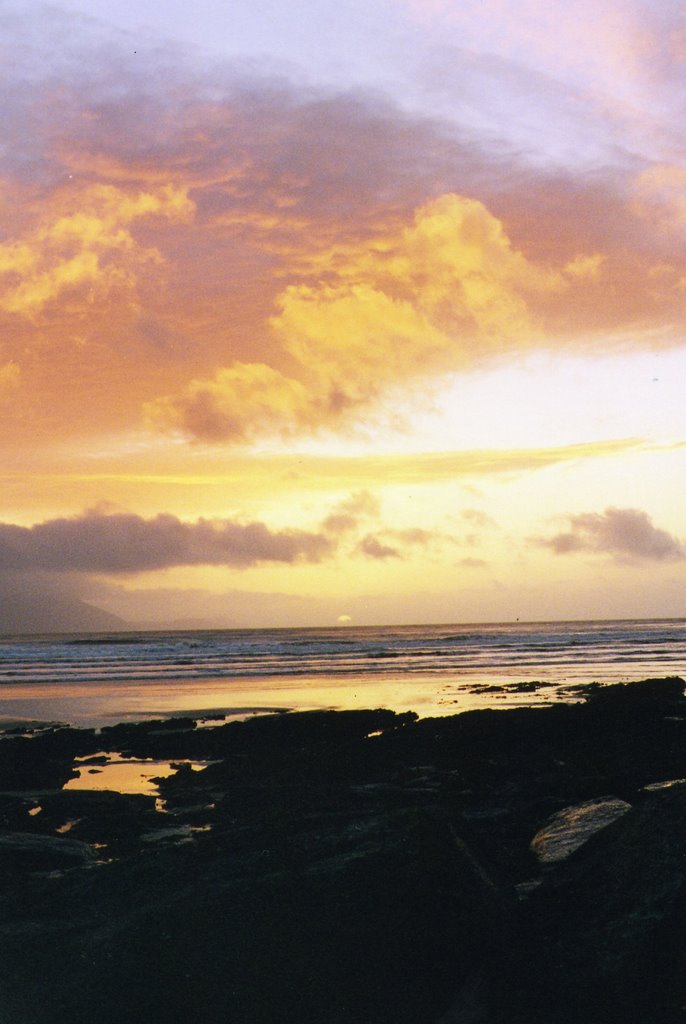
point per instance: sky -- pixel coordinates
(320, 313)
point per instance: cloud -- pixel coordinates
(97, 542)
(442, 292)
(350, 516)
(623, 533)
(238, 403)
(477, 517)
(233, 254)
(372, 547)
(432, 467)
(414, 535)
(348, 513)
(72, 250)
(397, 543)
(623, 60)
(151, 214)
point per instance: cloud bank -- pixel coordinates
(127, 543)
(624, 533)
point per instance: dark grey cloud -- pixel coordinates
(624, 533)
(127, 543)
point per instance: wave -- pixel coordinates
(553, 651)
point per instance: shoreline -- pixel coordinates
(435, 670)
(101, 705)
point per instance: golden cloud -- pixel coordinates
(89, 246)
(442, 292)
(233, 403)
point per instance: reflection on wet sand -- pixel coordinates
(116, 772)
(100, 704)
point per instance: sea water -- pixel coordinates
(94, 679)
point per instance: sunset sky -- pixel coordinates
(368, 312)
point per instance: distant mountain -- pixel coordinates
(22, 612)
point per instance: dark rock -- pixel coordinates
(260, 736)
(112, 821)
(604, 933)
(358, 868)
(43, 760)
(530, 686)
(23, 851)
(666, 694)
(372, 922)
(14, 811)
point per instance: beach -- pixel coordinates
(102, 678)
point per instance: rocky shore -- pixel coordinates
(362, 867)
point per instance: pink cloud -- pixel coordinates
(624, 533)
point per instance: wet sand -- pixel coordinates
(102, 703)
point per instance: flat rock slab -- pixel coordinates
(571, 827)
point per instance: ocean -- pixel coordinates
(97, 679)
